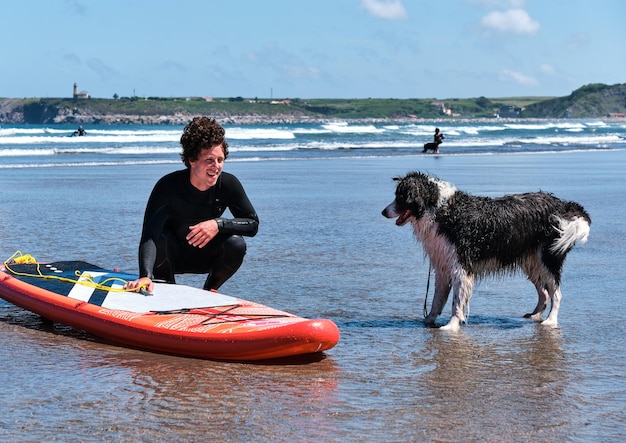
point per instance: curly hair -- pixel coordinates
(201, 133)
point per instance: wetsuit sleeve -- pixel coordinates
(245, 221)
(153, 224)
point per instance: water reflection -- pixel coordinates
(156, 396)
(197, 396)
(478, 381)
(105, 392)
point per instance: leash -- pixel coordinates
(84, 278)
(425, 312)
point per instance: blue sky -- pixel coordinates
(310, 48)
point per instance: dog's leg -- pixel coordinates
(554, 308)
(462, 286)
(442, 290)
(542, 302)
(537, 273)
(546, 280)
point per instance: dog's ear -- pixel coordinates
(430, 193)
(415, 201)
(411, 175)
(418, 193)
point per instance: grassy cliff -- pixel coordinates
(595, 100)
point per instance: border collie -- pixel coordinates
(468, 237)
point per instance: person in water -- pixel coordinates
(434, 145)
(183, 228)
(438, 137)
(80, 131)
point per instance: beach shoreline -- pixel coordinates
(325, 251)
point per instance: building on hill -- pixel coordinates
(508, 111)
(81, 94)
(442, 105)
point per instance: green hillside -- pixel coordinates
(591, 101)
(595, 100)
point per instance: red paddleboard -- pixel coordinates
(175, 319)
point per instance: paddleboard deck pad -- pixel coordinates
(174, 319)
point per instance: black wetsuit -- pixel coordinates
(175, 205)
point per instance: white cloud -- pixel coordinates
(387, 9)
(547, 69)
(519, 78)
(297, 71)
(502, 4)
(514, 20)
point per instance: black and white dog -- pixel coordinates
(432, 146)
(468, 237)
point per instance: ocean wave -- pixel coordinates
(342, 128)
(85, 139)
(302, 158)
(123, 150)
(241, 133)
(536, 143)
(52, 145)
(86, 164)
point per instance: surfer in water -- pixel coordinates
(80, 131)
(183, 228)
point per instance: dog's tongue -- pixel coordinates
(403, 218)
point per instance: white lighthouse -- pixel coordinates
(81, 94)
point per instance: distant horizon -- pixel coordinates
(589, 101)
(77, 93)
(283, 98)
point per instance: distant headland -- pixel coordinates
(590, 101)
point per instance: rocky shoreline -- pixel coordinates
(13, 111)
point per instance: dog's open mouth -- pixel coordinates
(403, 218)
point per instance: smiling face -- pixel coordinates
(205, 171)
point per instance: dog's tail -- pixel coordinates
(573, 226)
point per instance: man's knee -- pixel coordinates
(233, 252)
(235, 246)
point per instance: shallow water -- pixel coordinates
(324, 250)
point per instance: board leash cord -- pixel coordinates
(84, 278)
(20, 259)
(425, 311)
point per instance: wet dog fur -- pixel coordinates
(468, 237)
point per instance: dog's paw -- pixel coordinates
(430, 320)
(534, 317)
(549, 322)
(453, 325)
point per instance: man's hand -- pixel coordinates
(201, 234)
(137, 285)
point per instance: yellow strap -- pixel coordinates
(19, 258)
